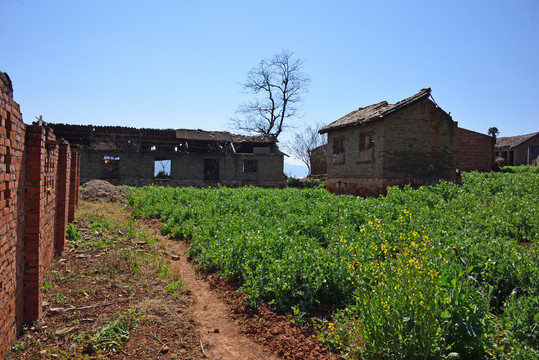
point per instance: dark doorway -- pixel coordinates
(211, 169)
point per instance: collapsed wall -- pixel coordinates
(38, 187)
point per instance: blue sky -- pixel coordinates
(179, 64)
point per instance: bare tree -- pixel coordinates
(305, 142)
(277, 85)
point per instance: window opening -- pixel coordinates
(211, 169)
(111, 165)
(366, 142)
(338, 150)
(162, 168)
(338, 145)
(250, 166)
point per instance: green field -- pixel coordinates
(423, 273)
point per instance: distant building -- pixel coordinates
(519, 150)
(138, 157)
(411, 142)
(318, 160)
(475, 151)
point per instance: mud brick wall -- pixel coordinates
(475, 151)
(35, 194)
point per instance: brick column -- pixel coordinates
(62, 196)
(35, 208)
(77, 179)
(74, 178)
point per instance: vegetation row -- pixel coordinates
(441, 271)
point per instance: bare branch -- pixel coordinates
(305, 142)
(278, 85)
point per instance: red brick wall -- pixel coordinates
(34, 199)
(12, 186)
(475, 151)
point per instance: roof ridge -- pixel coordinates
(373, 111)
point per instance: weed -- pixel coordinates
(58, 298)
(72, 234)
(163, 268)
(48, 286)
(111, 336)
(17, 347)
(174, 287)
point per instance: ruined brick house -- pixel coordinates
(519, 150)
(411, 142)
(130, 156)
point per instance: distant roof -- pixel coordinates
(373, 112)
(220, 136)
(514, 141)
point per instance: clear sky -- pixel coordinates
(179, 64)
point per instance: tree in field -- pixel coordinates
(305, 142)
(277, 85)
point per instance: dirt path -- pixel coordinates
(221, 336)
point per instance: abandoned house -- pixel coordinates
(519, 150)
(475, 152)
(137, 157)
(411, 142)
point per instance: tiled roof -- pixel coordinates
(374, 112)
(514, 141)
